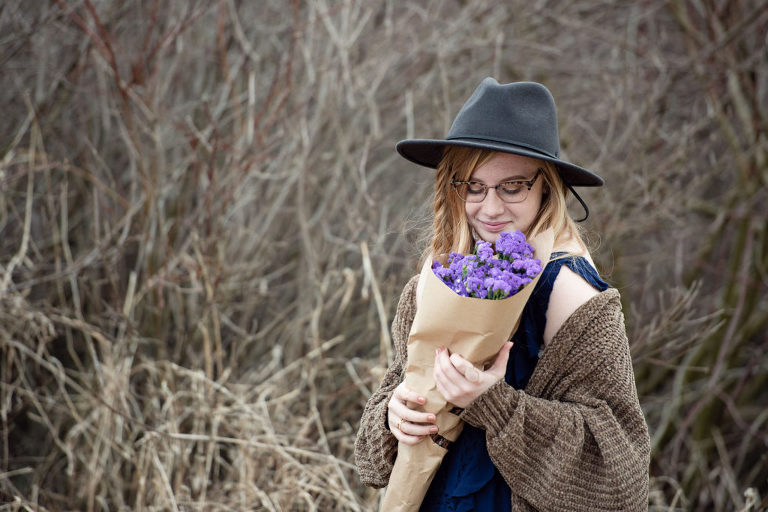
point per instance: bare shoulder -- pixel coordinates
(569, 292)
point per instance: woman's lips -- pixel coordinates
(494, 227)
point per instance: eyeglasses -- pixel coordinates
(508, 191)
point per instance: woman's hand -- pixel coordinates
(460, 382)
(408, 425)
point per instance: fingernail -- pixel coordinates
(431, 417)
(421, 399)
(433, 430)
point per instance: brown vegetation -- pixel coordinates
(205, 229)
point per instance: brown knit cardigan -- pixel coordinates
(574, 439)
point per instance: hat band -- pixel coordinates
(505, 141)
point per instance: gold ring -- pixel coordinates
(400, 423)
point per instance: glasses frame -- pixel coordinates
(529, 184)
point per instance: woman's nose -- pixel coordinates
(492, 204)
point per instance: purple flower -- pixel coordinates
(476, 287)
(484, 250)
(512, 246)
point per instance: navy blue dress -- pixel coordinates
(467, 480)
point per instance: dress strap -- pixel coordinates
(578, 264)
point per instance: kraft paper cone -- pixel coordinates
(474, 328)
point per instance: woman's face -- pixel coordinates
(492, 216)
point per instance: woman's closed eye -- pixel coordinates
(511, 188)
(473, 187)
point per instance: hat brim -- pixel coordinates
(429, 152)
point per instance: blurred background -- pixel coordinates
(204, 230)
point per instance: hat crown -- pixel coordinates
(521, 113)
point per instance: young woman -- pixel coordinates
(554, 423)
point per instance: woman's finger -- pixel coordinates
(399, 408)
(410, 432)
(407, 438)
(411, 428)
(406, 395)
(465, 368)
(447, 379)
(471, 374)
(400, 429)
(449, 370)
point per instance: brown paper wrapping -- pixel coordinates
(474, 328)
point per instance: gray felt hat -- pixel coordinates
(518, 118)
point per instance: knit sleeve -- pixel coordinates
(576, 438)
(375, 446)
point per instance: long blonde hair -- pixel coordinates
(451, 230)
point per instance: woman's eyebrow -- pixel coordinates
(516, 177)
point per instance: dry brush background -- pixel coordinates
(205, 229)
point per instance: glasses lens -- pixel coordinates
(512, 192)
(470, 192)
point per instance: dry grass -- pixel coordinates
(205, 229)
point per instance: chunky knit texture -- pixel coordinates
(575, 439)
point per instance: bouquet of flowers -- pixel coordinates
(484, 276)
(460, 317)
